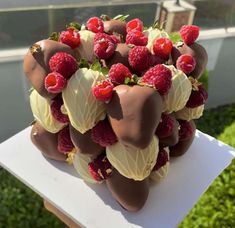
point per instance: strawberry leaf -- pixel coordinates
(96, 66)
(121, 17)
(74, 25)
(84, 64)
(105, 70)
(54, 36)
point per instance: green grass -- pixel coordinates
(216, 208)
(21, 207)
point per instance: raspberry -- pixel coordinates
(162, 159)
(186, 63)
(55, 82)
(65, 144)
(137, 38)
(165, 127)
(99, 36)
(103, 133)
(56, 110)
(71, 37)
(95, 25)
(100, 168)
(118, 72)
(186, 130)
(139, 58)
(115, 39)
(135, 24)
(189, 33)
(64, 64)
(162, 47)
(103, 90)
(104, 48)
(198, 97)
(154, 60)
(158, 76)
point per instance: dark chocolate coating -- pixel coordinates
(134, 114)
(115, 26)
(131, 194)
(182, 146)
(36, 65)
(84, 142)
(120, 56)
(197, 51)
(173, 138)
(46, 142)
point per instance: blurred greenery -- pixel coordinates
(216, 208)
(21, 207)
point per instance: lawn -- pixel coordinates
(21, 207)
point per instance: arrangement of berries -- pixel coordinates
(101, 64)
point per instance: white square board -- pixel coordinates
(93, 206)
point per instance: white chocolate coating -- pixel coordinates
(190, 113)
(83, 109)
(179, 92)
(133, 163)
(42, 113)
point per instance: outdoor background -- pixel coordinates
(23, 22)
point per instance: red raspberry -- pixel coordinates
(100, 168)
(118, 72)
(137, 38)
(65, 144)
(135, 24)
(154, 60)
(198, 97)
(158, 76)
(104, 48)
(189, 33)
(165, 127)
(162, 47)
(56, 110)
(64, 64)
(115, 39)
(55, 82)
(103, 133)
(186, 130)
(103, 90)
(71, 37)
(139, 58)
(186, 63)
(95, 25)
(99, 36)
(162, 159)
